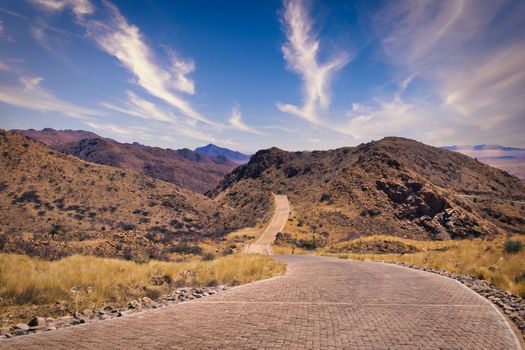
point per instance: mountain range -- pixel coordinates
(510, 159)
(56, 203)
(196, 171)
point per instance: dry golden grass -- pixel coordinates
(80, 282)
(481, 258)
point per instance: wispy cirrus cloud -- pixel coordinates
(30, 94)
(237, 123)
(125, 42)
(137, 106)
(111, 31)
(470, 54)
(301, 53)
(79, 7)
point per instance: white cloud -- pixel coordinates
(385, 118)
(125, 41)
(237, 123)
(471, 58)
(30, 94)
(118, 130)
(79, 7)
(139, 107)
(301, 53)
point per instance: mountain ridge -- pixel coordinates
(183, 167)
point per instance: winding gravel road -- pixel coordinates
(280, 216)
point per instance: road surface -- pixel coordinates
(280, 216)
(321, 303)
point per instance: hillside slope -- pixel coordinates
(183, 167)
(55, 204)
(393, 186)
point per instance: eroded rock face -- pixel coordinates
(431, 210)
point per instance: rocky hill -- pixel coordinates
(216, 151)
(54, 204)
(393, 186)
(183, 167)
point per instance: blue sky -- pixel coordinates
(254, 74)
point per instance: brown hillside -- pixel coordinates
(183, 167)
(55, 204)
(393, 186)
(56, 138)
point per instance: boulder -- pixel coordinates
(37, 322)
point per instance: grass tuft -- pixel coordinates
(513, 246)
(487, 259)
(80, 282)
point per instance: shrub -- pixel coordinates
(208, 257)
(512, 247)
(325, 197)
(54, 230)
(184, 248)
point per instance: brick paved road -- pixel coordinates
(320, 303)
(263, 244)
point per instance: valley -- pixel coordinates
(392, 200)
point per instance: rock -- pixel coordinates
(107, 308)
(75, 322)
(87, 313)
(78, 315)
(21, 326)
(146, 300)
(18, 332)
(134, 304)
(37, 322)
(4, 331)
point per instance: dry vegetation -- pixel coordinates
(56, 205)
(394, 186)
(489, 259)
(30, 286)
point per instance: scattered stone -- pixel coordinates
(37, 322)
(21, 326)
(107, 308)
(146, 300)
(87, 313)
(134, 304)
(18, 332)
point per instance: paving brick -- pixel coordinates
(321, 303)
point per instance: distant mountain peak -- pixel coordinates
(216, 151)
